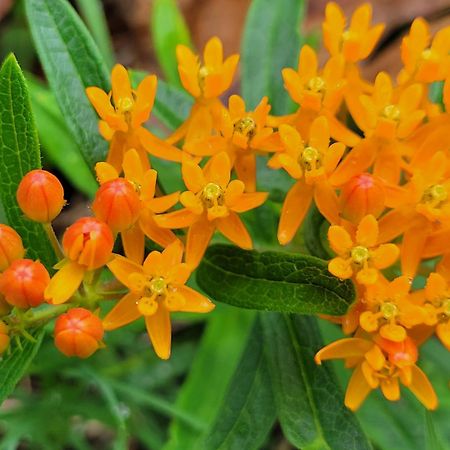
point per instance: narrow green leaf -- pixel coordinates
(172, 105)
(273, 281)
(309, 402)
(57, 142)
(271, 42)
(94, 16)
(72, 63)
(248, 411)
(19, 153)
(14, 366)
(432, 439)
(168, 30)
(313, 234)
(214, 364)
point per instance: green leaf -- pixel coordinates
(214, 364)
(19, 153)
(309, 402)
(72, 63)
(273, 281)
(168, 30)
(271, 42)
(247, 413)
(56, 140)
(172, 105)
(94, 16)
(436, 92)
(314, 235)
(14, 366)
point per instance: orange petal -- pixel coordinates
(249, 201)
(192, 202)
(162, 236)
(340, 240)
(443, 333)
(295, 207)
(195, 302)
(307, 62)
(105, 172)
(236, 105)
(198, 237)
(343, 348)
(245, 166)
(234, 192)
(120, 81)
(393, 332)
(145, 97)
(123, 313)
(340, 268)
(327, 202)
(233, 229)
(421, 387)
(163, 203)
(218, 170)
(64, 283)
(367, 232)
(367, 276)
(385, 255)
(181, 218)
(122, 268)
(159, 331)
(390, 389)
(319, 135)
(357, 390)
(100, 101)
(413, 243)
(158, 147)
(133, 242)
(172, 255)
(132, 167)
(213, 53)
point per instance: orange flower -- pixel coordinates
(212, 201)
(156, 289)
(390, 309)
(122, 120)
(87, 244)
(241, 134)
(383, 366)
(11, 246)
(356, 43)
(363, 256)
(144, 183)
(422, 62)
(205, 83)
(310, 165)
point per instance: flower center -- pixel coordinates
(360, 255)
(427, 54)
(158, 286)
(124, 105)
(391, 112)
(316, 84)
(389, 310)
(245, 126)
(203, 72)
(212, 195)
(435, 195)
(311, 158)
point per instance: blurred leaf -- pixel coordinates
(72, 63)
(247, 413)
(432, 440)
(14, 365)
(435, 93)
(56, 140)
(168, 29)
(309, 402)
(19, 154)
(271, 42)
(172, 105)
(94, 16)
(313, 234)
(273, 281)
(213, 366)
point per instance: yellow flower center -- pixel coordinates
(316, 84)
(435, 195)
(427, 54)
(391, 112)
(212, 195)
(245, 126)
(124, 105)
(158, 286)
(311, 159)
(203, 72)
(389, 310)
(360, 255)
(347, 35)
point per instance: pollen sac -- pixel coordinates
(117, 204)
(78, 333)
(24, 282)
(4, 336)
(360, 196)
(40, 196)
(89, 242)
(11, 247)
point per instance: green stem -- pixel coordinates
(53, 240)
(47, 314)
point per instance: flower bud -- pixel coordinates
(11, 247)
(360, 196)
(400, 354)
(89, 242)
(40, 196)
(78, 332)
(4, 336)
(23, 283)
(117, 204)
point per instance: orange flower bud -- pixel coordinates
(11, 247)
(360, 196)
(40, 196)
(402, 353)
(78, 332)
(4, 337)
(117, 204)
(89, 242)
(23, 283)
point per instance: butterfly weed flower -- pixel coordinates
(156, 289)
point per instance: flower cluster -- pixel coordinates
(382, 183)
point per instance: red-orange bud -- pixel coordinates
(4, 336)
(23, 283)
(401, 354)
(89, 242)
(11, 247)
(360, 196)
(78, 332)
(117, 204)
(40, 196)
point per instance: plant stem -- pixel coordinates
(53, 240)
